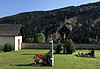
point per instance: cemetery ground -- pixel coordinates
(23, 59)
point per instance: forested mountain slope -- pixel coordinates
(85, 20)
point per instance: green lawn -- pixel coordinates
(22, 60)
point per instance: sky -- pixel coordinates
(12, 7)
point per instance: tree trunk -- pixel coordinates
(64, 48)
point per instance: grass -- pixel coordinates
(22, 60)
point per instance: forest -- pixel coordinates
(85, 20)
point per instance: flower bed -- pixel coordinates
(41, 59)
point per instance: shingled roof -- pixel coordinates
(67, 25)
(10, 29)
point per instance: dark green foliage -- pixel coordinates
(70, 46)
(46, 59)
(58, 48)
(41, 38)
(56, 38)
(1, 51)
(8, 47)
(49, 21)
(29, 40)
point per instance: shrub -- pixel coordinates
(41, 38)
(58, 48)
(8, 47)
(70, 46)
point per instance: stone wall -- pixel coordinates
(46, 46)
(87, 46)
(35, 46)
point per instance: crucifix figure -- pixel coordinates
(64, 36)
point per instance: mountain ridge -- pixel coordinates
(49, 21)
